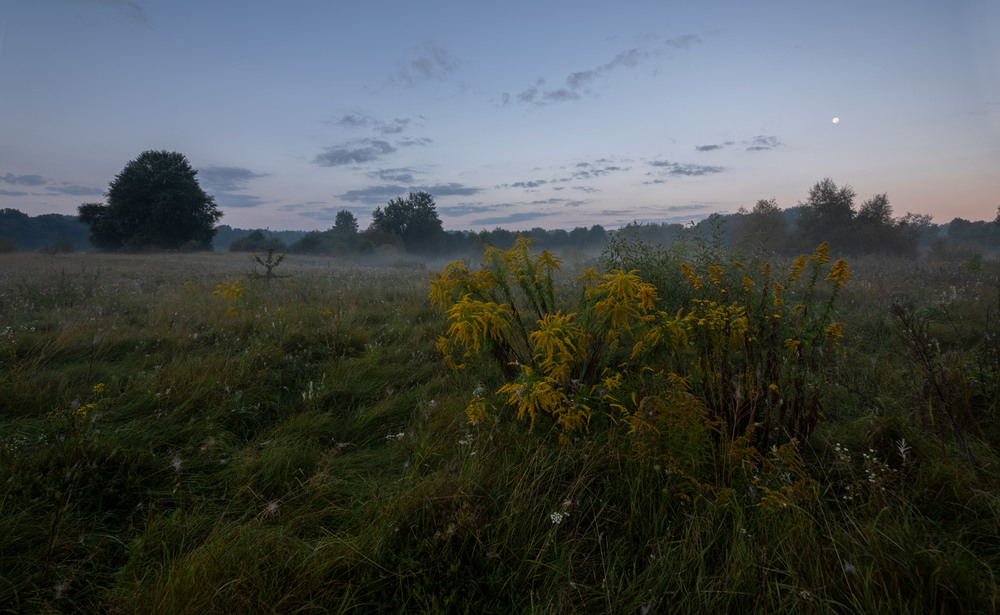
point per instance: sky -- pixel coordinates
(514, 114)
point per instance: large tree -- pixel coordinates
(413, 219)
(154, 203)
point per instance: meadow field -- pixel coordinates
(655, 431)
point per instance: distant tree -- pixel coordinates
(875, 230)
(826, 215)
(413, 219)
(917, 230)
(313, 242)
(345, 223)
(763, 227)
(374, 239)
(978, 235)
(875, 211)
(997, 219)
(42, 231)
(155, 202)
(257, 241)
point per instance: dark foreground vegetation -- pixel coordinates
(700, 431)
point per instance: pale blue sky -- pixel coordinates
(513, 114)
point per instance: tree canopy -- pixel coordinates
(155, 202)
(413, 219)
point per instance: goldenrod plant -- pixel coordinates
(738, 347)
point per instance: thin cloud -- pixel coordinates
(402, 175)
(12, 193)
(75, 190)
(560, 95)
(465, 209)
(356, 152)
(628, 59)
(374, 194)
(23, 180)
(226, 179)
(237, 201)
(712, 147)
(579, 82)
(684, 41)
(688, 207)
(761, 142)
(451, 189)
(386, 192)
(588, 170)
(363, 120)
(678, 169)
(528, 185)
(418, 142)
(355, 120)
(430, 62)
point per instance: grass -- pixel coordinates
(169, 444)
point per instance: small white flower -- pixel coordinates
(557, 517)
(175, 463)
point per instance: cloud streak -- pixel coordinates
(75, 190)
(761, 143)
(362, 120)
(429, 62)
(385, 192)
(712, 147)
(23, 180)
(683, 169)
(355, 152)
(226, 179)
(578, 83)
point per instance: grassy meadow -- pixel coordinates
(181, 434)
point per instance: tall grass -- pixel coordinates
(178, 435)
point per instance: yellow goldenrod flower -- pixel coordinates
(835, 331)
(822, 253)
(839, 272)
(694, 280)
(798, 266)
(589, 277)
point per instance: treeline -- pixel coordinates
(48, 232)
(411, 224)
(830, 213)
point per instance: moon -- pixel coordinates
(836, 119)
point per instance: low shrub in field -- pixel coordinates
(739, 368)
